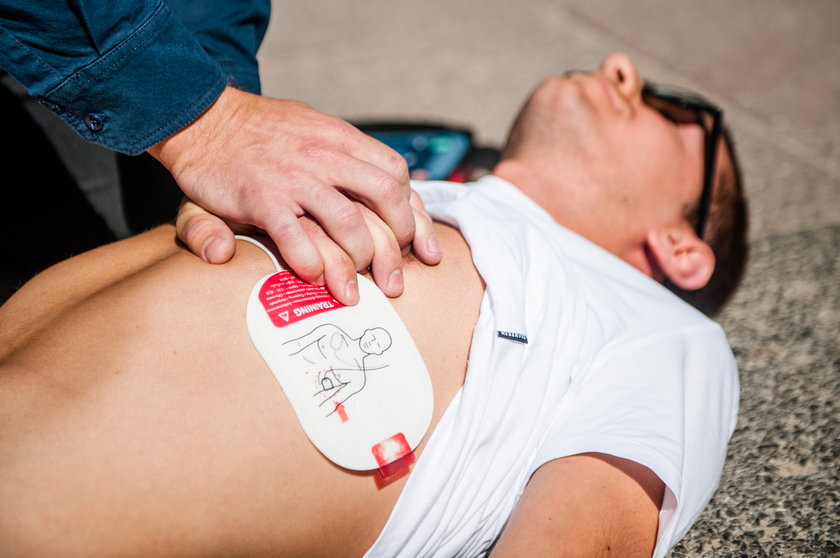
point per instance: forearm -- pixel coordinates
(589, 505)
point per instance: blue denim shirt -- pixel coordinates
(128, 73)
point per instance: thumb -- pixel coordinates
(206, 235)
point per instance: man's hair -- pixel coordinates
(726, 233)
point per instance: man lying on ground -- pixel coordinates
(579, 406)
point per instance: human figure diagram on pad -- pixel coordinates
(338, 363)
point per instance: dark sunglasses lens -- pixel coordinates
(673, 111)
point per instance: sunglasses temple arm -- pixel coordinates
(709, 177)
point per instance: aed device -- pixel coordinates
(432, 152)
(353, 375)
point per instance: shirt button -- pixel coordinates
(95, 122)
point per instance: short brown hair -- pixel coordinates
(726, 233)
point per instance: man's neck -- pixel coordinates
(574, 206)
(550, 190)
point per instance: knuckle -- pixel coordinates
(312, 228)
(335, 128)
(283, 230)
(276, 200)
(347, 217)
(314, 148)
(334, 259)
(341, 263)
(300, 105)
(340, 126)
(390, 189)
(197, 230)
(399, 168)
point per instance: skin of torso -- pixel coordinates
(137, 418)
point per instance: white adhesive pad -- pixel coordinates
(353, 375)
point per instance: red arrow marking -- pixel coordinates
(342, 414)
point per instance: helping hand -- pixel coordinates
(267, 162)
(205, 233)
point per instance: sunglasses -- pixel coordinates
(685, 107)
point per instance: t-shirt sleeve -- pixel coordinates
(668, 401)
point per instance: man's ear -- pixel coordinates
(683, 258)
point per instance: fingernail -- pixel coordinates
(351, 291)
(395, 281)
(433, 246)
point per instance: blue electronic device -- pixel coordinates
(432, 152)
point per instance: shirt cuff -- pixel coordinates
(142, 91)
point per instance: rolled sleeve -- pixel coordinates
(143, 90)
(124, 75)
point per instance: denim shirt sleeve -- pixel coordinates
(128, 73)
(230, 31)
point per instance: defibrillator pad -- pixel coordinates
(352, 374)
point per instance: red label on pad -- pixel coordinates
(393, 455)
(288, 299)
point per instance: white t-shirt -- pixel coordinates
(574, 351)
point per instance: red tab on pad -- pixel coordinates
(393, 455)
(288, 299)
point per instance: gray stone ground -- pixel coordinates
(772, 64)
(779, 493)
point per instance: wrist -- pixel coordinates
(173, 151)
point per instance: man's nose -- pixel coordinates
(620, 69)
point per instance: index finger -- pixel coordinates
(380, 182)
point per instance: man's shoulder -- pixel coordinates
(515, 242)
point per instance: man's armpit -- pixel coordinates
(586, 505)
